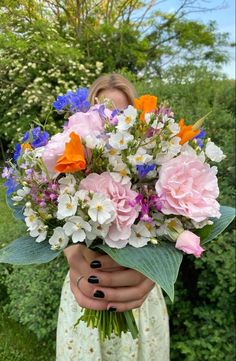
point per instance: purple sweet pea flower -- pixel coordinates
(7, 172)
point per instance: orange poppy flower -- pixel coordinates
(186, 132)
(147, 103)
(73, 158)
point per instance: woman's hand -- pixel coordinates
(105, 284)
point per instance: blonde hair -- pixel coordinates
(112, 81)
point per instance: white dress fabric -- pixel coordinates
(81, 343)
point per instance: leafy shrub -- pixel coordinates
(34, 295)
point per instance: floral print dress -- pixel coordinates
(81, 343)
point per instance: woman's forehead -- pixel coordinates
(118, 97)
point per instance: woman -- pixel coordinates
(97, 282)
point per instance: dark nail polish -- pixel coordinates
(93, 279)
(95, 264)
(98, 294)
(113, 309)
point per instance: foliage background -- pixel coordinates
(33, 71)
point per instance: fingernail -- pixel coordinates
(98, 294)
(95, 264)
(93, 279)
(113, 309)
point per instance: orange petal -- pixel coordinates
(73, 158)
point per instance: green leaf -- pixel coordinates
(25, 251)
(208, 233)
(160, 263)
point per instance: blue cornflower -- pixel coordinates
(17, 152)
(25, 137)
(199, 138)
(11, 185)
(39, 138)
(144, 169)
(61, 102)
(76, 102)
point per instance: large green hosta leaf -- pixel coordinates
(208, 233)
(160, 263)
(25, 250)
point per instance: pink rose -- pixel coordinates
(189, 243)
(122, 197)
(188, 187)
(84, 124)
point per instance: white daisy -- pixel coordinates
(76, 227)
(127, 119)
(141, 157)
(40, 232)
(59, 239)
(101, 209)
(67, 184)
(21, 194)
(140, 235)
(213, 152)
(67, 206)
(120, 140)
(97, 230)
(31, 219)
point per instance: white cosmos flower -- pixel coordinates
(97, 230)
(140, 235)
(67, 184)
(40, 232)
(67, 206)
(213, 152)
(76, 227)
(101, 209)
(59, 239)
(141, 157)
(127, 119)
(120, 140)
(21, 193)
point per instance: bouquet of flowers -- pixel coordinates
(134, 184)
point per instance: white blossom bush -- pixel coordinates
(34, 69)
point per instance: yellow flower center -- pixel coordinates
(99, 207)
(128, 120)
(68, 205)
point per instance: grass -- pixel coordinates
(16, 342)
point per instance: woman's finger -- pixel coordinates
(120, 294)
(86, 302)
(105, 262)
(126, 277)
(125, 306)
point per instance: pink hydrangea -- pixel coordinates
(188, 187)
(189, 243)
(122, 197)
(84, 124)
